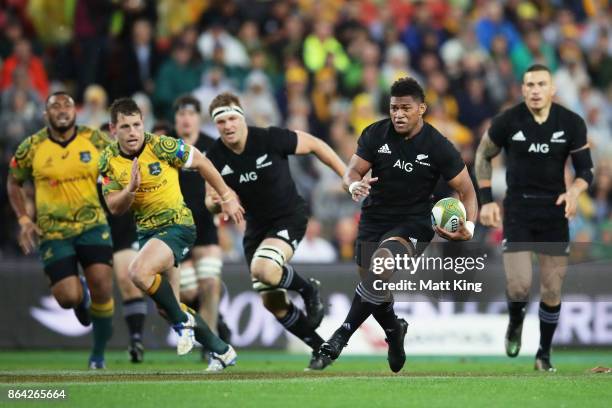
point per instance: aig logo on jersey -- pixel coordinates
(404, 165)
(154, 169)
(538, 148)
(246, 177)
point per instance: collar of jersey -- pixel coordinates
(137, 154)
(63, 143)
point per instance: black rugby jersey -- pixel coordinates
(407, 170)
(260, 174)
(536, 153)
(192, 184)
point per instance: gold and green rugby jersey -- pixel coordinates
(65, 176)
(158, 201)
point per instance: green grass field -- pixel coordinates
(276, 379)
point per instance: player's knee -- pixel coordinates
(210, 286)
(68, 294)
(264, 271)
(68, 300)
(550, 296)
(275, 301)
(518, 292)
(137, 272)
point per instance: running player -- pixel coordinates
(407, 156)
(61, 159)
(253, 161)
(140, 171)
(538, 137)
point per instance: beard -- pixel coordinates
(61, 128)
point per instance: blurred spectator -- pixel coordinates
(313, 248)
(493, 23)
(217, 40)
(345, 234)
(571, 77)
(213, 83)
(262, 110)
(22, 56)
(94, 112)
(21, 83)
(397, 65)
(532, 51)
(475, 105)
(10, 34)
(437, 91)
(21, 117)
(178, 75)
(363, 112)
(146, 107)
(135, 63)
(322, 49)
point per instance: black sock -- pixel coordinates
(134, 311)
(296, 323)
(292, 281)
(549, 317)
(517, 311)
(385, 316)
(359, 312)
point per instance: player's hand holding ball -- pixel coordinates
(448, 218)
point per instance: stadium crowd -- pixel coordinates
(324, 67)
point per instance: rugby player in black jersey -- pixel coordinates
(407, 156)
(253, 162)
(201, 269)
(538, 136)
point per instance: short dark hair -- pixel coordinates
(124, 106)
(57, 93)
(187, 100)
(538, 67)
(224, 99)
(408, 87)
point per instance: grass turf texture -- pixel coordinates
(276, 379)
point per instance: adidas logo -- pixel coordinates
(384, 149)
(283, 234)
(519, 136)
(346, 326)
(226, 170)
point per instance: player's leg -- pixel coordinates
(60, 266)
(553, 269)
(134, 304)
(518, 270)
(208, 264)
(188, 285)
(368, 301)
(147, 272)
(270, 267)
(95, 254)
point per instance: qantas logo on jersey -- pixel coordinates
(556, 137)
(519, 136)
(384, 149)
(246, 177)
(226, 170)
(406, 166)
(538, 148)
(260, 162)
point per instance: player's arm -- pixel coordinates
(119, 202)
(212, 200)
(462, 184)
(487, 150)
(29, 231)
(228, 200)
(307, 143)
(583, 167)
(354, 180)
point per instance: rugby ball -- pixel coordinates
(446, 214)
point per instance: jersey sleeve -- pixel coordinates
(21, 163)
(109, 183)
(579, 136)
(364, 146)
(284, 141)
(100, 139)
(173, 151)
(449, 160)
(498, 131)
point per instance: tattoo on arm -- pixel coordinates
(485, 152)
